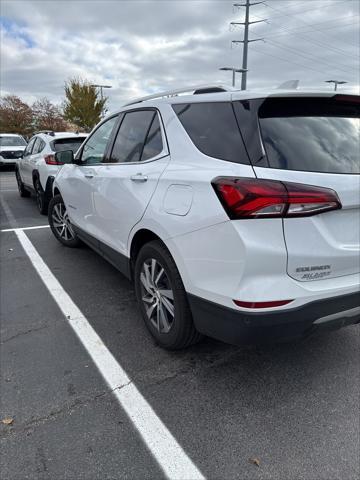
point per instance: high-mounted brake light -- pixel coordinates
(51, 160)
(258, 198)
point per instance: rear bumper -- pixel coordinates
(239, 327)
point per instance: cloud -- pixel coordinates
(143, 46)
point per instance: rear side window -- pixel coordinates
(138, 139)
(67, 144)
(313, 135)
(213, 129)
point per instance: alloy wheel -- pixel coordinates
(157, 295)
(61, 222)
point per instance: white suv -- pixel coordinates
(12, 147)
(235, 213)
(36, 170)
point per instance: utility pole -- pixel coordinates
(246, 40)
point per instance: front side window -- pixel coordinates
(138, 139)
(213, 129)
(313, 135)
(37, 146)
(29, 147)
(94, 149)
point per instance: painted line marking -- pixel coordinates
(170, 456)
(24, 228)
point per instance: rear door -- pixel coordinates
(24, 163)
(125, 183)
(315, 141)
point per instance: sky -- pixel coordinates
(141, 47)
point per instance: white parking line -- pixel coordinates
(169, 454)
(24, 228)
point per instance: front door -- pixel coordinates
(78, 180)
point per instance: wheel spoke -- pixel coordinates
(159, 275)
(153, 269)
(148, 299)
(167, 293)
(150, 310)
(168, 305)
(165, 325)
(147, 274)
(145, 283)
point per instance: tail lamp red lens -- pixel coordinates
(51, 160)
(258, 198)
(276, 303)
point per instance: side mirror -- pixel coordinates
(66, 156)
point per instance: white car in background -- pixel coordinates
(236, 213)
(36, 170)
(12, 147)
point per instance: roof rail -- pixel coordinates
(197, 89)
(46, 132)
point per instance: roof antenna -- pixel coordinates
(289, 85)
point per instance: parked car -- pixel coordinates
(36, 170)
(236, 214)
(12, 147)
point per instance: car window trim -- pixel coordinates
(32, 146)
(80, 151)
(165, 150)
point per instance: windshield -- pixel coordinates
(314, 135)
(67, 144)
(7, 141)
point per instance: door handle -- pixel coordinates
(88, 175)
(139, 177)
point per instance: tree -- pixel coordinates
(83, 106)
(47, 116)
(15, 116)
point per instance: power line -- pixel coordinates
(308, 10)
(315, 42)
(287, 61)
(300, 20)
(310, 57)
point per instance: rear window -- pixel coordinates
(67, 144)
(7, 141)
(213, 129)
(311, 134)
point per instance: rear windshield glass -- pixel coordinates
(12, 141)
(67, 144)
(314, 135)
(213, 129)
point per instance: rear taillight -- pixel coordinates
(258, 198)
(51, 160)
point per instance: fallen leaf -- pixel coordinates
(255, 461)
(7, 421)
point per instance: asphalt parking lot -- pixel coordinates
(291, 408)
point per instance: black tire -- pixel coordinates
(21, 187)
(182, 332)
(40, 197)
(60, 223)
